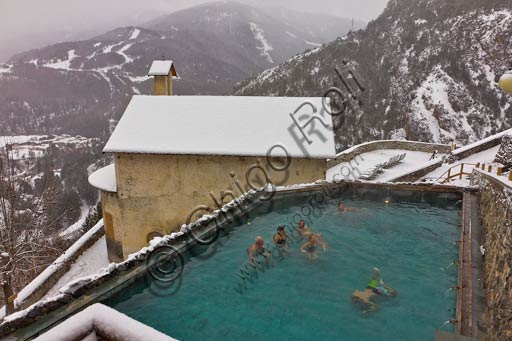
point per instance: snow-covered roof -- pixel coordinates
(106, 321)
(104, 178)
(161, 68)
(224, 125)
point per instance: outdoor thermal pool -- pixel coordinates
(409, 236)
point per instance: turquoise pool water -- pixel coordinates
(296, 299)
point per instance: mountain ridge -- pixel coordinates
(79, 87)
(431, 68)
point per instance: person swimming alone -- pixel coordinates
(310, 247)
(374, 288)
(379, 287)
(281, 238)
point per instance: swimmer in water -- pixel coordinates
(374, 288)
(343, 209)
(281, 238)
(257, 249)
(310, 247)
(303, 230)
(378, 286)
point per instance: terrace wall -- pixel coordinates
(36, 289)
(351, 153)
(487, 143)
(496, 221)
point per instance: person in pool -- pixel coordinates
(280, 238)
(303, 230)
(257, 249)
(374, 288)
(310, 247)
(378, 286)
(343, 209)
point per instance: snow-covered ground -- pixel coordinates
(486, 156)
(90, 262)
(366, 161)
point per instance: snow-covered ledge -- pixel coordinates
(99, 322)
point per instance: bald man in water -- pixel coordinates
(257, 249)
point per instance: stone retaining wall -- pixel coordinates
(387, 144)
(418, 174)
(485, 144)
(496, 221)
(59, 267)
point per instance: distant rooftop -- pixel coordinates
(162, 68)
(223, 125)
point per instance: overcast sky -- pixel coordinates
(28, 24)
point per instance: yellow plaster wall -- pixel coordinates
(158, 192)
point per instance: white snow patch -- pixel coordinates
(265, 47)
(312, 43)
(63, 64)
(138, 79)
(398, 134)
(135, 33)
(122, 51)
(5, 68)
(291, 34)
(108, 49)
(90, 262)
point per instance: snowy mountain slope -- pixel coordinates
(77, 87)
(430, 68)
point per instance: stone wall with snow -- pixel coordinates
(496, 221)
(504, 155)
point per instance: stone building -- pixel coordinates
(173, 153)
